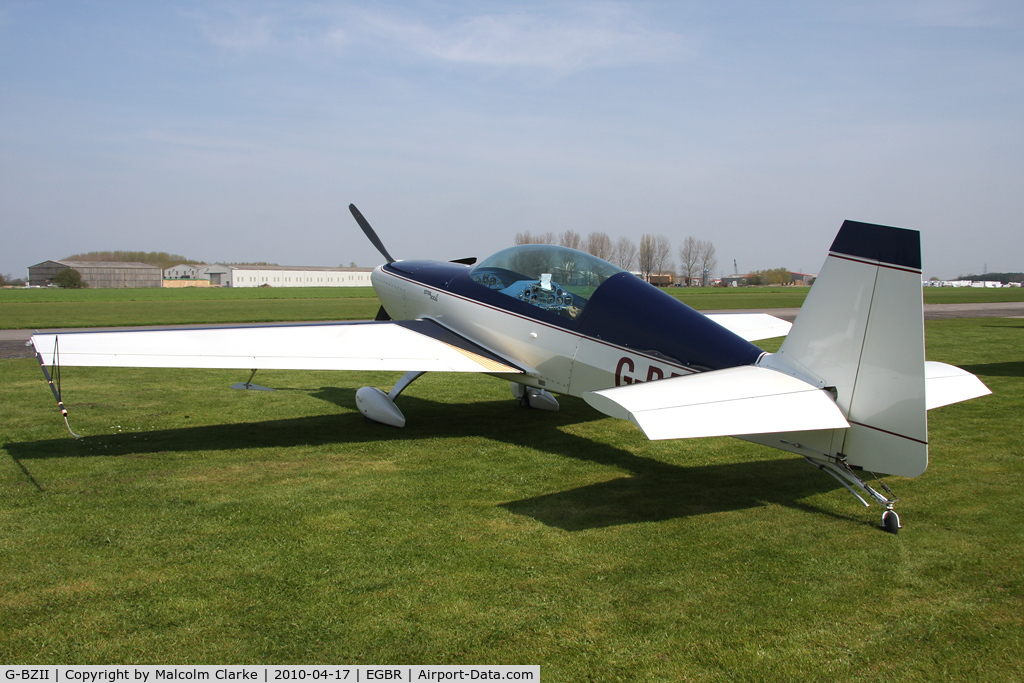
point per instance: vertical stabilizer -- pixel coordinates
(860, 333)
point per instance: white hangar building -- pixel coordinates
(285, 276)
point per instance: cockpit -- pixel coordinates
(553, 278)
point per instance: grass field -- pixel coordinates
(48, 308)
(52, 307)
(203, 525)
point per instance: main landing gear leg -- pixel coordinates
(845, 475)
(249, 386)
(375, 405)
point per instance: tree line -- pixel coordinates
(772, 276)
(1005, 278)
(153, 258)
(652, 257)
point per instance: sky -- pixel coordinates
(241, 131)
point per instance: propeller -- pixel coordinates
(375, 241)
(370, 234)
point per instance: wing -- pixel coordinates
(730, 402)
(945, 384)
(402, 346)
(752, 326)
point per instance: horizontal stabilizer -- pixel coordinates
(420, 345)
(752, 326)
(945, 384)
(730, 402)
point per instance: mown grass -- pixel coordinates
(51, 307)
(199, 524)
(52, 294)
(711, 298)
(972, 295)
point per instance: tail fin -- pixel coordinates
(860, 335)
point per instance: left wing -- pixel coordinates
(752, 326)
(741, 400)
(945, 384)
(401, 346)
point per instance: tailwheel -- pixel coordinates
(891, 521)
(846, 476)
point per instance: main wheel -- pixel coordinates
(891, 521)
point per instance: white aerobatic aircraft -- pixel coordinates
(849, 390)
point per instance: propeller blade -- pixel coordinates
(370, 234)
(469, 260)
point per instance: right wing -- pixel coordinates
(401, 346)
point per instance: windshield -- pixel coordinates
(553, 278)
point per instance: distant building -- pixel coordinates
(183, 271)
(218, 275)
(969, 283)
(228, 275)
(802, 278)
(799, 279)
(662, 279)
(99, 274)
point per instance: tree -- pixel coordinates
(645, 256)
(662, 255)
(708, 260)
(155, 258)
(527, 237)
(600, 245)
(624, 255)
(69, 278)
(689, 257)
(571, 239)
(772, 276)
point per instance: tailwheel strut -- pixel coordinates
(846, 476)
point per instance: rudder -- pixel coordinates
(860, 334)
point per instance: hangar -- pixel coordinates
(230, 275)
(99, 274)
(296, 276)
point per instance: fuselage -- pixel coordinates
(626, 332)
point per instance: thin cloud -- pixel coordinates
(531, 40)
(239, 32)
(600, 35)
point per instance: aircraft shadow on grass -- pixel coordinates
(649, 490)
(1005, 369)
